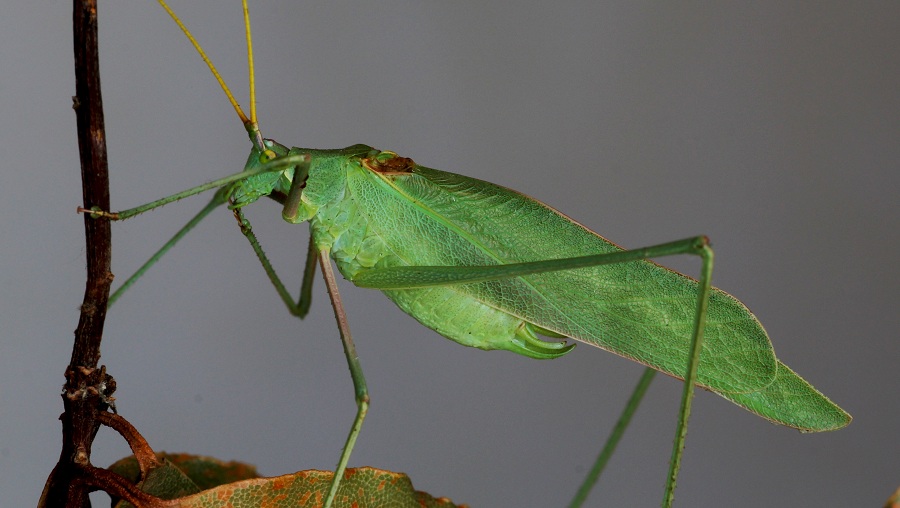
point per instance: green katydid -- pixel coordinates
(494, 269)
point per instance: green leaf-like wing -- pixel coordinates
(791, 401)
(639, 310)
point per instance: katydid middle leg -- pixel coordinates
(299, 308)
(356, 373)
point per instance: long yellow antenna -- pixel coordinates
(250, 67)
(237, 107)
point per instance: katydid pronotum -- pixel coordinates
(491, 268)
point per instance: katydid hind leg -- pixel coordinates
(700, 247)
(615, 436)
(706, 254)
(217, 201)
(407, 277)
(356, 373)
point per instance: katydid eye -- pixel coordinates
(267, 156)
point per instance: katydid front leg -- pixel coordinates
(291, 204)
(218, 200)
(275, 165)
(225, 188)
(300, 307)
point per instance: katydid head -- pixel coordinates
(301, 179)
(273, 174)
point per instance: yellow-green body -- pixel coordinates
(374, 210)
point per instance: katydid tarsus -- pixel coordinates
(491, 268)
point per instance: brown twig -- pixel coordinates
(87, 389)
(121, 488)
(95, 184)
(145, 456)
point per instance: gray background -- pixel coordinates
(772, 127)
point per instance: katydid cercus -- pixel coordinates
(491, 268)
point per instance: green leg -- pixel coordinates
(224, 190)
(359, 381)
(706, 254)
(279, 164)
(301, 306)
(618, 431)
(403, 277)
(215, 202)
(299, 309)
(291, 204)
(703, 250)
(408, 277)
(308, 275)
